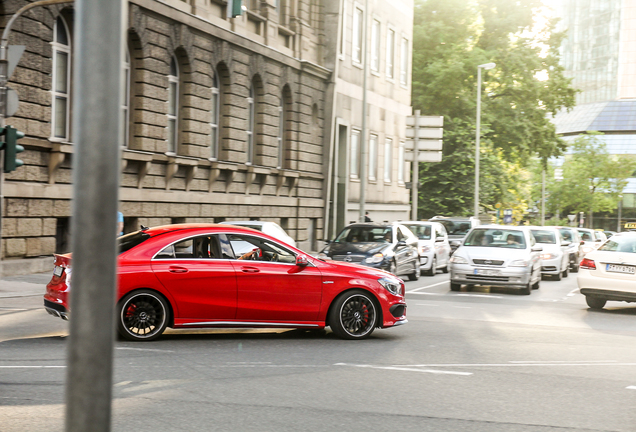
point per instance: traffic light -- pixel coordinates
(10, 137)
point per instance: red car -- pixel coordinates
(206, 275)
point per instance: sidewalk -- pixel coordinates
(24, 286)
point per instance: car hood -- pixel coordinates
(357, 248)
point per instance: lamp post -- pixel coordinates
(486, 66)
(620, 208)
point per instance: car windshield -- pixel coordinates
(544, 236)
(423, 232)
(456, 227)
(129, 241)
(620, 244)
(566, 234)
(365, 234)
(496, 237)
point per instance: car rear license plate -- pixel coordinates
(57, 271)
(615, 268)
(487, 272)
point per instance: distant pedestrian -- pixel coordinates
(367, 218)
(120, 224)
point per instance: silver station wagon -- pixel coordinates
(496, 255)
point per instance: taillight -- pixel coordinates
(587, 263)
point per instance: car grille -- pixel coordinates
(349, 258)
(487, 278)
(548, 268)
(488, 262)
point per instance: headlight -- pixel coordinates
(425, 249)
(548, 256)
(456, 259)
(391, 284)
(323, 256)
(377, 258)
(519, 263)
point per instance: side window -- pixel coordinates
(202, 247)
(400, 234)
(257, 249)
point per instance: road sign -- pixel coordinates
(630, 225)
(571, 217)
(426, 121)
(430, 133)
(424, 156)
(424, 145)
(14, 53)
(12, 102)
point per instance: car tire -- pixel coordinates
(446, 268)
(535, 286)
(142, 315)
(575, 268)
(566, 272)
(595, 302)
(455, 286)
(558, 276)
(433, 269)
(353, 315)
(527, 290)
(416, 272)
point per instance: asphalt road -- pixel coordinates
(486, 360)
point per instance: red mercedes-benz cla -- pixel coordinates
(206, 275)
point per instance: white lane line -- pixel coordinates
(426, 304)
(427, 286)
(630, 388)
(32, 367)
(143, 349)
(573, 292)
(515, 364)
(425, 293)
(462, 307)
(478, 295)
(563, 361)
(404, 369)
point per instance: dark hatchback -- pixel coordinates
(391, 247)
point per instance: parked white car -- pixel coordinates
(609, 272)
(433, 246)
(269, 228)
(555, 257)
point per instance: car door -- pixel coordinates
(200, 277)
(442, 247)
(405, 253)
(271, 287)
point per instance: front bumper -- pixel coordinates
(551, 267)
(513, 277)
(426, 260)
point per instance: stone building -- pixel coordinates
(224, 118)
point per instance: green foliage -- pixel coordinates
(450, 39)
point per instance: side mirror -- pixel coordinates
(439, 239)
(327, 241)
(582, 242)
(566, 243)
(302, 261)
(536, 248)
(401, 243)
(598, 240)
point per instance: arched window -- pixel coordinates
(125, 101)
(173, 105)
(61, 81)
(251, 123)
(214, 117)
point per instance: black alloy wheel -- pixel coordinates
(353, 315)
(142, 316)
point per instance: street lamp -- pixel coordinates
(486, 66)
(620, 207)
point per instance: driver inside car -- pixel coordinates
(255, 254)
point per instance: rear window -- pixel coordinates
(566, 234)
(129, 241)
(423, 232)
(620, 244)
(456, 227)
(544, 236)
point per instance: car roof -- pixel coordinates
(245, 222)
(164, 229)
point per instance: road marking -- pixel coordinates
(573, 292)
(143, 349)
(462, 307)
(630, 387)
(478, 295)
(563, 361)
(425, 293)
(404, 369)
(31, 367)
(464, 365)
(427, 286)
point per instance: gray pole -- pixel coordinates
(363, 132)
(543, 198)
(477, 136)
(416, 166)
(620, 208)
(96, 106)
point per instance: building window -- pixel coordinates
(173, 105)
(125, 102)
(61, 81)
(373, 157)
(214, 117)
(354, 167)
(401, 162)
(375, 46)
(390, 42)
(404, 61)
(251, 117)
(388, 156)
(357, 35)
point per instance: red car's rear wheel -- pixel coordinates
(143, 316)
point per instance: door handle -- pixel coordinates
(249, 270)
(177, 269)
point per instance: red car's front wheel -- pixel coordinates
(353, 315)
(142, 316)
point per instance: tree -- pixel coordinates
(452, 37)
(592, 178)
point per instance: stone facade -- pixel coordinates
(269, 58)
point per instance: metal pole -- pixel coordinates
(543, 198)
(96, 106)
(620, 208)
(363, 132)
(416, 167)
(477, 136)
